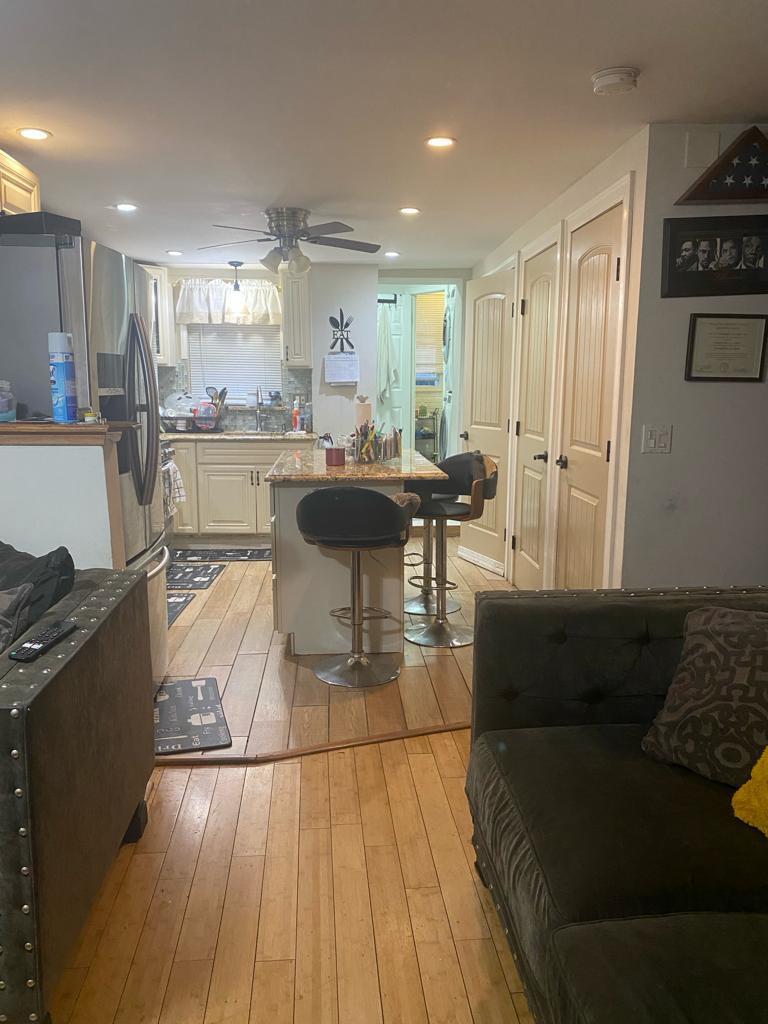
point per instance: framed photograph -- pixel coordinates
(726, 346)
(715, 256)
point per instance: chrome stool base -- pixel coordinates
(426, 604)
(440, 634)
(357, 670)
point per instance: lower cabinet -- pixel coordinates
(263, 503)
(186, 520)
(227, 499)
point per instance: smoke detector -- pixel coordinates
(613, 80)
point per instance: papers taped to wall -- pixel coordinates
(342, 368)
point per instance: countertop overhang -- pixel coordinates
(235, 435)
(44, 433)
(309, 467)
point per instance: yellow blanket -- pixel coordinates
(750, 802)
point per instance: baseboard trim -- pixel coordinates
(482, 560)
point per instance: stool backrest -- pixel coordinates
(351, 517)
(474, 474)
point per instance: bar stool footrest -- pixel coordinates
(369, 613)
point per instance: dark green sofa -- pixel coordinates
(629, 892)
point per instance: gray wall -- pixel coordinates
(354, 287)
(698, 515)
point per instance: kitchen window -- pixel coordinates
(238, 357)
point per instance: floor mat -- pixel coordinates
(176, 605)
(221, 554)
(192, 577)
(189, 716)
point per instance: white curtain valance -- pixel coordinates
(204, 301)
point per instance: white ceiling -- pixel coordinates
(203, 112)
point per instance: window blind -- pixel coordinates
(428, 330)
(238, 357)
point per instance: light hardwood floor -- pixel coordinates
(274, 703)
(335, 888)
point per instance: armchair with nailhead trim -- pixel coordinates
(76, 752)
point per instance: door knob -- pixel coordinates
(562, 461)
(543, 456)
(464, 435)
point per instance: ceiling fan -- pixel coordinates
(286, 227)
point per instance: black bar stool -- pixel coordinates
(356, 519)
(469, 473)
(425, 603)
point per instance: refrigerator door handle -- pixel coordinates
(131, 357)
(153, 409)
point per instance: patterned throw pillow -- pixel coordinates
(14, 613)
(715, 718)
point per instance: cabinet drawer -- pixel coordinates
(247, 453)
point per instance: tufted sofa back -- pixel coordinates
(549, 658)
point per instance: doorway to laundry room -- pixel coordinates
(418, 381)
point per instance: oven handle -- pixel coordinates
(163, 565)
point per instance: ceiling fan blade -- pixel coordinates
(232, 227)
(333, 227)
(242, 241)
(346, 243)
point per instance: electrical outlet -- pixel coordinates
(657, 439)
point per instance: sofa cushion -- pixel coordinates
(14, 612)
(715, 716)
(707, 968)
(580, 826)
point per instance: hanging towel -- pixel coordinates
(173, 488)
(386, 370)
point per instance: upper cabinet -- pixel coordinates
(162, 329)
(297, 333)
(19, 187)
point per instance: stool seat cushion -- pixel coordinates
(447, 508)
(354, 518)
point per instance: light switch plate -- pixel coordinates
(657, 439)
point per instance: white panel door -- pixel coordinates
(590, 359)
(487, 381)
(532, 468)
(395, 409)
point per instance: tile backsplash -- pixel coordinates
(296, 382)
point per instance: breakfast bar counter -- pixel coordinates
(309, 581)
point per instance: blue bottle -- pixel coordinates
(63, 383)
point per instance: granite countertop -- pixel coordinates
(45, 432)
(234, 435)
(309, 466)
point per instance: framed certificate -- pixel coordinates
(726, 346)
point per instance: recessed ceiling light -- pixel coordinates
(174, 252)
(126, 207)
(410, 211)
(613, 80)
(441, 142)
(392, 255)
(38, 134)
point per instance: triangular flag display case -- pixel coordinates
(739, 175)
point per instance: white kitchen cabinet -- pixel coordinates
(297, 333)
(186, 519)
(19, 187)
(162, 330)
(263, 498)
(227, 499)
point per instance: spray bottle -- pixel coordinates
(63, 385)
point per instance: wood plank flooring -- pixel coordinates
(272, 700)
(335, 888)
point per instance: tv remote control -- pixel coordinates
(44, 641)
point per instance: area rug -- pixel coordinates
(189, 716)
(221, 554)
(176, 605)
(193, 576)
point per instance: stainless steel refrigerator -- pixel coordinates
(52, 279)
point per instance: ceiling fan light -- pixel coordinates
(298, 263)
(273, 259)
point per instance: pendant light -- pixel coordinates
(236, 301)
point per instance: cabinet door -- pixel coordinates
(19, 187)
(297, 335)
(263, 500)
(227, 499)
(185, 520)
(162, 329)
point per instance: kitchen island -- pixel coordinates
(308, 581)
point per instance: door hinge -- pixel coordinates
(512, 309)
(618, 267)
(608, 452)
(513, 541)
(508, 425)
(517, 428)
(522, 307)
